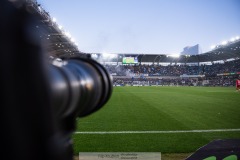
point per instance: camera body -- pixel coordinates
(41, 100)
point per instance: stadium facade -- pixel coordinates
(191, 50)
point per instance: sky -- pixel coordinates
(146, 26)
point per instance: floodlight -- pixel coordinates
(54, 19)
(60, 27)
(94, 56)
(72, 40)
(224, 42)
(232, 39)
(68, 34)
(39, 8)
(108, 56)
(174, 55)
(213, 46)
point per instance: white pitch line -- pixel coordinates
(159, 132)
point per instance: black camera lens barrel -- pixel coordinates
(80, 87)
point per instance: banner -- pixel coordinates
(191, 76)
(227, 74)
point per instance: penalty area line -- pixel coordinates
(159, 132)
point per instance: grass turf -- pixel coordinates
(160, 109)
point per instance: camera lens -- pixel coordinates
(80, 87)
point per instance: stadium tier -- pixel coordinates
(218, 74)
(218, 67)
(60, 44)
(63, 45)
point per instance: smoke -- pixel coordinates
(129, 73)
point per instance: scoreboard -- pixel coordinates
(129, 60)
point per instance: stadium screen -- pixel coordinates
(129, 60)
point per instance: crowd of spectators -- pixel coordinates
(156, 81)
(227, 67)
(171, 75)
(170, 70)
(205, 81)
(174, 70)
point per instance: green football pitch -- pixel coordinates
(160, 119)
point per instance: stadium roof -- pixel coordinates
(222, 52)
(60, 44)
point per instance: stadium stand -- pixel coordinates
(204, 75)
(218, 67)
(59, 42)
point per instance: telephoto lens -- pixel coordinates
(80, 87)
